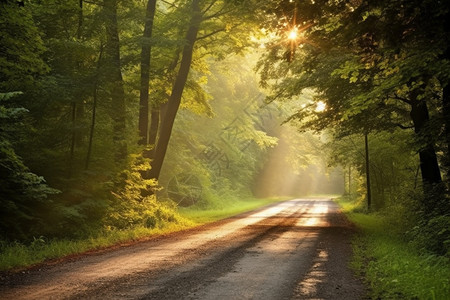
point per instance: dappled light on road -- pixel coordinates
(316, 216)
(317, 274)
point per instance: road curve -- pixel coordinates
(298, 249)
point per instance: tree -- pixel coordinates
(177, 90)
(115, 80)
(200, 164)
(209, 21)
(21, 47)
(371, 67)
(376, 65)
(145, 71)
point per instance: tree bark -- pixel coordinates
(153, 132)
(158, 113)
(177, 91)
(446, 114)
(80, 19)
(446, 98)
(76, 137)
(73, 139)
(92, 128)
(94, 109)
(145, 72)
(349, 180)
(114, 76)
(429, 166)
(369, 191)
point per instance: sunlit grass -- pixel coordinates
(393, 268)
(17, 255)
(348, 204)
(232, 208)
(321, 196)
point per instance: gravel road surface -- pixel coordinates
(298, 249)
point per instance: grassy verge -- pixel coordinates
(17, 255)
(393, 268)
(235, 207)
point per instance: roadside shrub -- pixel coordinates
(132, 201)
(433, 235)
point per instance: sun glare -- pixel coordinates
(320, 106)
(293, 34)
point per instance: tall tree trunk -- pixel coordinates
(349, 180)
(159, 111)
(92, 128)
(154, 126)
(369, 191)
(446, 114)
(177, 91)
(446, 97)
(75, 138)
(427, 154)
(429, 167)
(80, 19)
(94, 109)
(115, 80)
(145, 72)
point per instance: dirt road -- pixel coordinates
(298, 249)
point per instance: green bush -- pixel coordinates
(398, 265)
(432, 235)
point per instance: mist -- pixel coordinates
(237, 143)
(297, 167)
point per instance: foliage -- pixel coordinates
(21, 47)
(394, 269)
(393, 165)
(59, 55)
(130, 203)
(24, 195)
(226, 158)
(375, 67)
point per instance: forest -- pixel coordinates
(90, 92)
(116, 115)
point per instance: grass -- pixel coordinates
(203, 216)
(18, 256)
(393, 268)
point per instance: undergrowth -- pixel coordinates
(18, 255)
(393, 267)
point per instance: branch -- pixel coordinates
(402, 99)
(218, 14)
(210, 34)
(168, 3)
(209, 7)
(403, 126)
